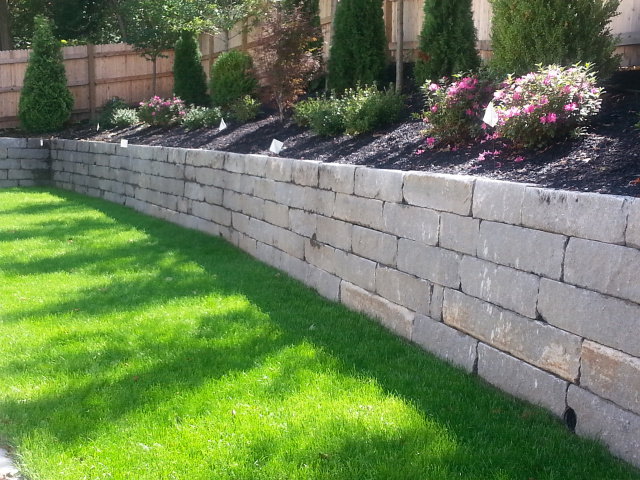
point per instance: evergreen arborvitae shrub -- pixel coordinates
(232, 78)
(526, 33)
(358, 52)
(447, 41)
(189, 79)
(45, 101)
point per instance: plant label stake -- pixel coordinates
(490, 116)
(222, 126)
(124, 143)
(276, 146)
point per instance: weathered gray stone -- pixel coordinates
(612, 375)
(114, 198)
(355, 269)
(82, 146)
(275, 213)
(591, 315)
(436, 302)
(288, 242)
(403, 289)
(544, 346)
(143, 152)
(3, 152)
(294, 195)
(98, 171)
(431, 263)
(445, 342)
(7, 142)
(321, 202)
(302, 223)
(235, 162)
(337, 178)
(414, 223)
(20, 174)
(572, 214)
(498, 201)
(34, 164)
(206, 158)
(240, 222)
(374, 245)
(459, 233)
(609, 269)
(379, 184)
(632, 233)
(177, 156)
(448, 193)
(294, 267)
(604, 421)
(320, 255)
(396, 318)
(238, 183)
(305, 172)
(14, 164)
(279, 169)
(334, 232)
(324, 283)
(252, 206)
(8, 183)
(265, 189)
(359, 211)
(194, 191)
(521, 379)
(524, 249)
(213, 213)
(28, 153)
(503, 286)
(103, 147)
(268, 254)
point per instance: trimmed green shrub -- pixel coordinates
(447, 40)
(526, 33)
(105, 119)
(244, 109)
(358, 52)
(45, 101)
(232, 78)
(323, 116)
(189, 79)
(199, 117)
(125, 117)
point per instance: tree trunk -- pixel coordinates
(225, 40)
(334, 7)
(399, 45)
(5, 33)
(155, 72)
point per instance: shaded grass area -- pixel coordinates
(132, 348)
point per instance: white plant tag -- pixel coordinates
(124, 143)
(97, 127)
(41, 143)
(276, 146)
(222, 126)
(490, 115)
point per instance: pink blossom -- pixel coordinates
(543, 119)
(498, 95)
(551, 118)
(153, 113)
(484, 126)
(469, 112)
(544, 100)
(519, 159)
(431, 141)
(434, 109)
(419, 152)
(434, 87)
(529, 108)
(454, 149)
(570, 107)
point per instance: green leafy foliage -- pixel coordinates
(162, 112)
(45, 102)
(359, 47)
(189, 79)
(232, 78)
(531, 32)
(199, 117)
(125, 117)
(323, 116)
(447, 43)
(106, 117)
(244, 109)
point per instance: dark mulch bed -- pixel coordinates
(605, 160)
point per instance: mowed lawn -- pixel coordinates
(131, 348)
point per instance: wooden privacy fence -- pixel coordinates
(97, 73)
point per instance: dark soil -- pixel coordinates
(606, 159)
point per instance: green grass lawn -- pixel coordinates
(134, 349)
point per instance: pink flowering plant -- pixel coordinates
(552, 102)
(160, 111)
(455, 107)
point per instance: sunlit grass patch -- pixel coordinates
(132, 348)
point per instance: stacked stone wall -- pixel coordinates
(534, 290)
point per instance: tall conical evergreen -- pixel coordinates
(189, 79)
(359, 47)
(447, 40)
(45, 101)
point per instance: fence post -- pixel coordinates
(91, 71)
(388, 14)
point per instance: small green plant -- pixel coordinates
(549, 103)
(455, 107)
(199, 117)
(45, 101)
(189, 79)
(105, 118)
(125, 117)
(323, 116)
(162, 112)
(232, 78)
(244, 109)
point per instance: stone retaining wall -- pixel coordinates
(24, 162)
(534, 290)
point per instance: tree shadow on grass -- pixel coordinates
(280, 314)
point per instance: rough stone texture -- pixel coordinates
(303, 223)
(609, 269)
(379, 184)
(355, 269)
(279, 169)
(448, 193)
(3, 153)
(522, 248)
(445, 342)
(591, 315)
(437, 300)
(632, 234)
(407, 290)
(602, 420)
(375, 245)
(320, 255)
(206, 158)
(459, 233)
(324, 283)
(612, 375)
(414, 223)
(498, 201)
(431, 263)
(337, 178)
(546, 347)
(503, 286)
(265, 189)
(276, 214)
(305, 172)
(521, 379)
(572, 214)
(28, 153)
(334, 232)
(296, 268)
(359, 211)
(7, 142)
(396, 318)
